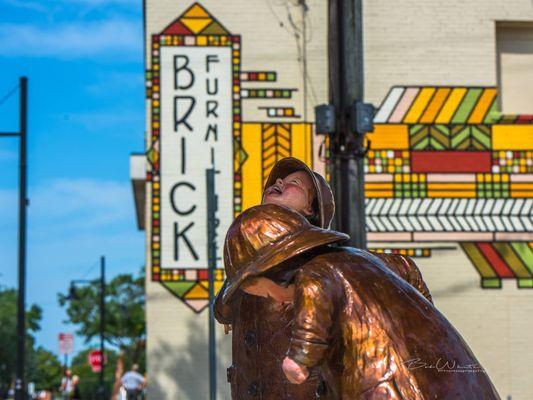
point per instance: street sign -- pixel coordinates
(66, 343)
(95, 360)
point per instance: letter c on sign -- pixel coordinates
(173, 202)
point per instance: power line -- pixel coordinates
(90, 269)
(8, 95)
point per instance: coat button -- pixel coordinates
(249, 338)
(253, 389)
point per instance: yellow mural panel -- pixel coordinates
(451, 194)
(436, 104)
(378, 186)
(512, 137)
(379, 194)
(302, 143)
(196, 11)
(451, 186)
(451, 105)
(419, 105)
(196, 25)
(389, 137)
(251, 169)
(264, 144)
(482, 106)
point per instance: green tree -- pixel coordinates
(43, 367)
(124, 321)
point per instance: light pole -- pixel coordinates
(72, 296)
(212, 224)
(346, 118)
(20, 382)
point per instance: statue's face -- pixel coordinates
(295, 191)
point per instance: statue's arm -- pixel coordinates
(406, 269)
(313, 312)
(223, 312)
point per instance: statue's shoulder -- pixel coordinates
(322, 262)
(342, 254)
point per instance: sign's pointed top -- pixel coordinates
(196, 20)
(196, 11)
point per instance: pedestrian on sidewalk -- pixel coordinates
(75, 395)
(133, 382)
(66, 385)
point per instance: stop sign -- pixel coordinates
(95, 360)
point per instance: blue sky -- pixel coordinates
(84, 61)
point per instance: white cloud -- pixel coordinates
(65, 207)
(117, 37)
(80, 203)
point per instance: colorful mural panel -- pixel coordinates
(468, 178)
(444, 165)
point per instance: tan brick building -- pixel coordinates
(449, 176)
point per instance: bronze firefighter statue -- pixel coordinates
(314, 320)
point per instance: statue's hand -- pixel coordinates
(294, 372)
(227, 328)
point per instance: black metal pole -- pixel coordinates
(346, 85)
(102, 325)
(20, 383)
(212, 260)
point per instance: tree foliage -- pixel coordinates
(124, 318)
(124, 304)
(43, 367)
(125, 330)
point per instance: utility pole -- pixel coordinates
(20, 381)
(20, 384)
(348, 118)
(102, 325)
(212, 223)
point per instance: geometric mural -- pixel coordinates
(502, 260)
(444, 165)
(495, 218)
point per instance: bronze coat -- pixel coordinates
(375, 337)
(261, 337)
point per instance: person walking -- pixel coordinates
(66, 385)
(133, 382)
(75, 394)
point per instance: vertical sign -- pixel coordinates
(196, 134)
(66, 343)
(193, 87)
